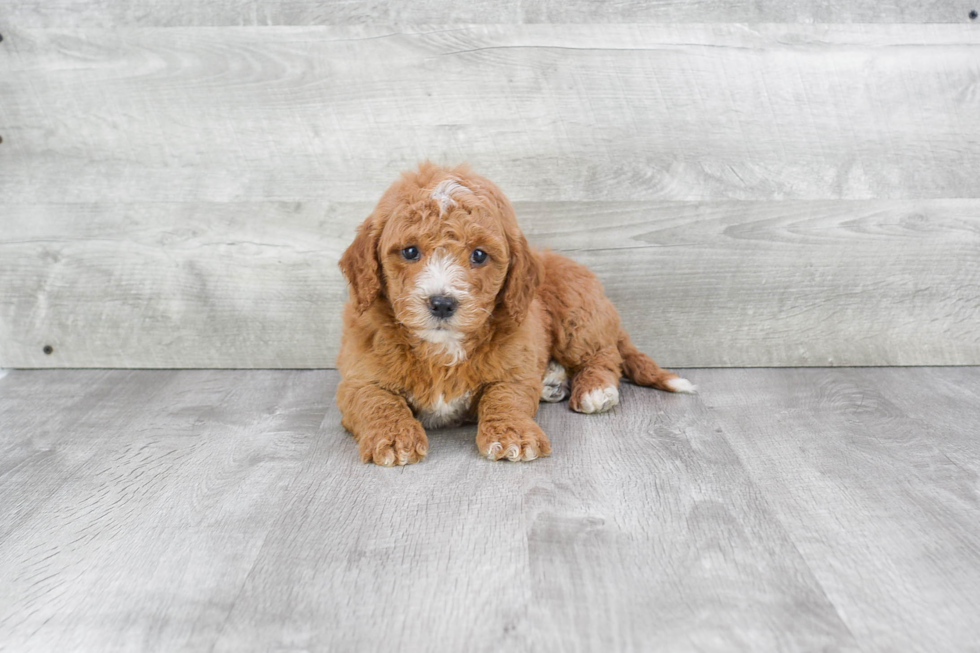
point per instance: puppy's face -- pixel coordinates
(444, 250)
(444, 260)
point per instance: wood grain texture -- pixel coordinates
(171, 13)
(895, 486)
(654, 493)
(698, 284)
(559, 113)
(791, 510)
(769, 194)
(145, 530)
(759, 11)
(566, 555)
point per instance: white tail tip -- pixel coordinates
(682, 385)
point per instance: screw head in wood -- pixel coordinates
(48, 349)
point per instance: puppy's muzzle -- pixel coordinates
(442, 306)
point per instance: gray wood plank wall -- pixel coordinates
(175, 189)
(186, 13)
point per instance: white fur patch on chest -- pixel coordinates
(447, 342)
(443, 413)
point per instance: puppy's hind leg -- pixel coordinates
(555, 385)
(595, 386)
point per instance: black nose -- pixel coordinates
(442, 306)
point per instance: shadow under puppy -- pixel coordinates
(452, 318)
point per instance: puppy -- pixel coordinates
(452, 318)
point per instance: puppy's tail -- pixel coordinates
(641, 370)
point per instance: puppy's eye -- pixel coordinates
(478, 257)
(411, 253)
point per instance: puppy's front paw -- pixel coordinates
(514, 440)
(399, 444)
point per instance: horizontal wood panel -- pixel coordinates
(750, 195)
(559, 113)
(168, 13)
(698, 284)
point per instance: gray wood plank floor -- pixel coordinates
(792, 509)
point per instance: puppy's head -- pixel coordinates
(444, 250)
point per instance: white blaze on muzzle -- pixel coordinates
(441, 276)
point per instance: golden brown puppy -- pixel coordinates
(453, 318)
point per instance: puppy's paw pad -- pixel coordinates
(598, 400)
(682, 385)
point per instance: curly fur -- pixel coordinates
(522, 316)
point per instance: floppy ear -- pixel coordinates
(361, 266)
(523, 276)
